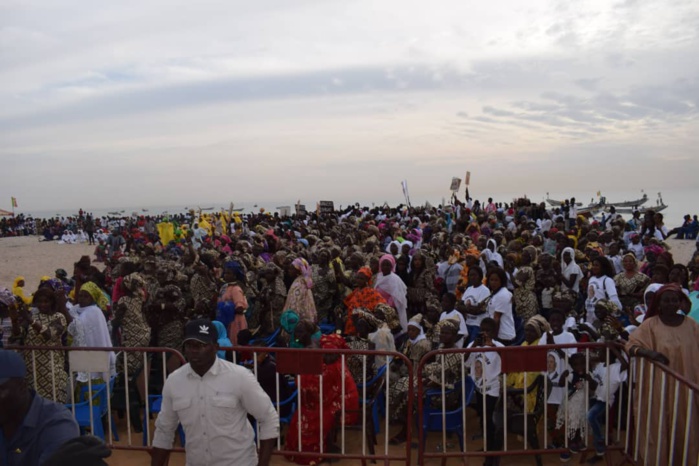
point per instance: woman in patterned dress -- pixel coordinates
(526, 304)
(46, 327)
(129, 317)
(300, 297)
(422, 275)
(432, 378)
(630, 284)
(324, 285)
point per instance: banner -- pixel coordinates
(14, 202)
(404, 184)
(327, 207)
(468, 178)
(455, 184)
(300, 209)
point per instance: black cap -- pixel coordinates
(201, 330)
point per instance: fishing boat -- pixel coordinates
(658, 207)
(555, 203)
(114, 213)
(144, 210)
(635, 203)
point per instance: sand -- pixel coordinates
(31, 258)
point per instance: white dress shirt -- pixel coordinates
(213, 411)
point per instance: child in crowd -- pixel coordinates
(607, 377)
(572, 415)
(485, 370)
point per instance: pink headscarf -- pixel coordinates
(302, 266)
(391, 259)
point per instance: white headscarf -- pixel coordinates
(491, 256)
(571, 269)
(415, 322)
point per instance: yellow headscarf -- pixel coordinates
(97, 294)
(19, 291)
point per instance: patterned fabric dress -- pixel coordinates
(398, 392)
(135, 331)
(626, 286)
(300, 299)
(56, 326)
(525, 301)
(324, 290)
(355, 362)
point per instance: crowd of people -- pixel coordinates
(400, 279)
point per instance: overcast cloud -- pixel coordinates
(167, 102)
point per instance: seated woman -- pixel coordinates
(310, 409)
(365, 323)
(533, 329)
(432, 377)
(362, 296)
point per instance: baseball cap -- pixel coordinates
(201, 330)
(11, 366)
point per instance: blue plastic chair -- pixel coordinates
(155, 403)
(291, 400)
(83, 408)
(433, 420)
(473, 331)
(379, 398)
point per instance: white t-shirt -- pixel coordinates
(616, 378)
(557, 393)
(600, 288)
(462, 325)
(485, 367)
(501, 302)
(637, 250)
(473, 296)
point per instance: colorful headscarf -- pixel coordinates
(134, 281)
(653, 249)
(389, 258)
(333, 341)
(366, 271)
(302, 266)
(654, 308)
(363, 314)
(97, 294)
(236, 268)
(289, 320)
(539, 324)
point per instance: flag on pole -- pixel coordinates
(14, 202)
(404, 184)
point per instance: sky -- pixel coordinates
(165, 102)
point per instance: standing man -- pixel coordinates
(212, 398)
(31, 427)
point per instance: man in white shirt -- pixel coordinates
(212, 398)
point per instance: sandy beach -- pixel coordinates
(31, 258)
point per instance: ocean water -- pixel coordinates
(679, 202)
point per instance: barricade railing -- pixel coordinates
(303, 365)
(657, 410)
(538, 375)
(662, 427)
(94, 362)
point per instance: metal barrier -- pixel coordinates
(301, 363)
(649, 436)
(513, 359)
(653, 437)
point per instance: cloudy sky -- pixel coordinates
(165, 102)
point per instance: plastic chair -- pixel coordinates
(375, 398)
(473, 331)
(99, 410)
(434, 420)
(155, 403)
